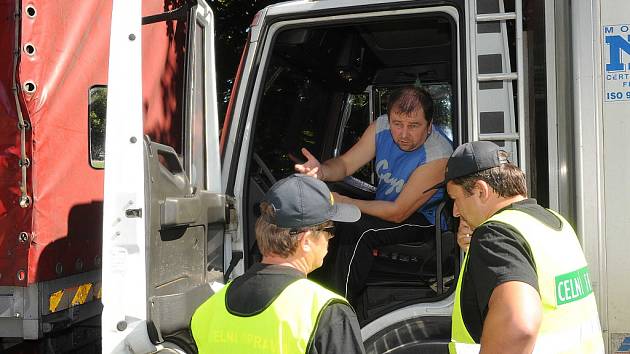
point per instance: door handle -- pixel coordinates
(177, 211)
(180, 211)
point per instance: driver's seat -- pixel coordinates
(420, 261)
(411, 272)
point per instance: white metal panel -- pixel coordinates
(615, 164)
(552, 111)
(124, 283)
(124, 250)
(471, 59)
(591, 210)
(560, 117)
(231, 143)
(234, 241)
(213, 165)
(306, 5)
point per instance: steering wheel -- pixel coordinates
(353, 187)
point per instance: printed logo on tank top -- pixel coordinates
(392, 183)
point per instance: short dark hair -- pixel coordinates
(408, 99)
(507, 180)
(277, 240)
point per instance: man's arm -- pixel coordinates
(347, 164)
(513, 319)
(338, 332)
(410, 198)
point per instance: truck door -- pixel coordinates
(164, 215)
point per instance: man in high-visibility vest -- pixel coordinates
(524, 285)
(273, 308)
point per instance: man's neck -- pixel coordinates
(294, 262)
(504, 202)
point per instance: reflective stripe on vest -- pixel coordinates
(570, 323)
(286, 326)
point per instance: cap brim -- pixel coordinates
(439, 185)
(345, 213)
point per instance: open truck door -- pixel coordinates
(164, 216)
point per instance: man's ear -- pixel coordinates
(483, 189)
(305, 241)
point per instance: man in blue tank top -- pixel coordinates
(410, 156)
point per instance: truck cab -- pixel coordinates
(314, 74)
(178, 221)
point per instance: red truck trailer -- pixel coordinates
(53, 88)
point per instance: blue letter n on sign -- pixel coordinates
(616, 44)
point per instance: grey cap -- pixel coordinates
(301, 201)
(471, 158)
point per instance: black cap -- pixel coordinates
(302, 201)
(471, 158)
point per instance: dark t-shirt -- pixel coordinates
(338, 329)
(498, 254)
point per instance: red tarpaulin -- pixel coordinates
(71, 41)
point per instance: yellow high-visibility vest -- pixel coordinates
(570, 323)
(286, 326)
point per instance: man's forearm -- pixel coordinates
(333, 170)
(379, 208)
(387, 210)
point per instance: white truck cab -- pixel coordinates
(314, 74)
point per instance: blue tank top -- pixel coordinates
(394, 166)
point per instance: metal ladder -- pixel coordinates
(492, 100)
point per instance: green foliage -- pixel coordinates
(232, 21)
(97, 118)
(98, 109)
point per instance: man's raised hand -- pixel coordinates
(464, 235)
(311, 167)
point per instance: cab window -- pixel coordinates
(293, 114)
(442, 104)
(356, 118)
